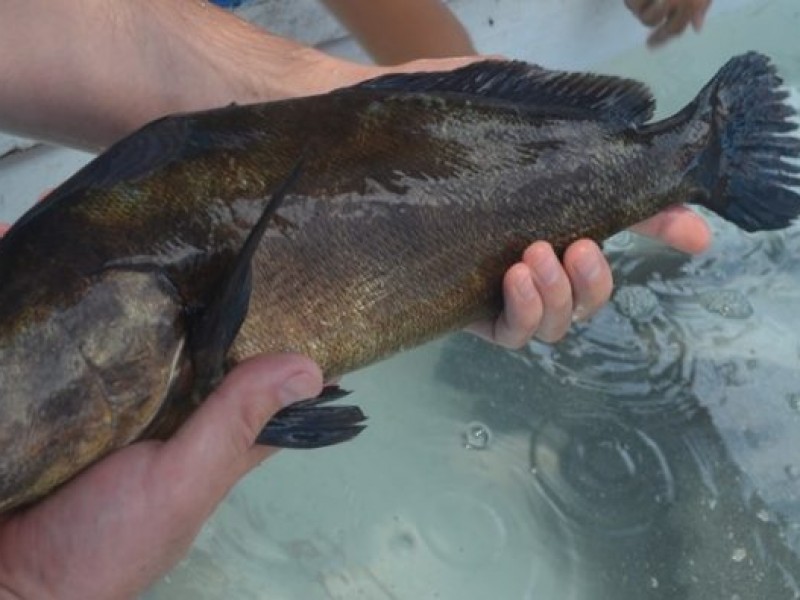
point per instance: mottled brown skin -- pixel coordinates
(407, 235)
(408, 210)
(89, 388)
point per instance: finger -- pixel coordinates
(590, 276)
(637, 6)
(649, 12)
(679, 227)
(675, 23)
(522, 311)
(699, 13)
(653, 13)
(215, 447)
(424, 65)
(443, 64)
(521, 314)
(554, 288)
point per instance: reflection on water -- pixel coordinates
(653, 454)
(601, 475)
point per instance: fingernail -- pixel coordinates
(547, 269)
(587, 266)
(525, 288)
(698, 20)
(579, 313)
(300, 386)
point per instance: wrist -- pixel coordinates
(208, 58)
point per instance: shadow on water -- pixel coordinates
(643, 441)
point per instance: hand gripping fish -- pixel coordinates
(347, 227)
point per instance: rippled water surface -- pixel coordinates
(655, 453)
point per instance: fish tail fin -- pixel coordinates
(747, 173)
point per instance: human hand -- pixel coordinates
(125, 521)
(543, 297)
(669, 18)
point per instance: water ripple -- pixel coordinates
(731, 304)
(602, 475)
(638, 365)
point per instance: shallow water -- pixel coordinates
(652, 454)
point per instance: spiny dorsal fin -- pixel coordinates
(604, 97)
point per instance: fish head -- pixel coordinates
(81, 376)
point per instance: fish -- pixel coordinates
(346, 226)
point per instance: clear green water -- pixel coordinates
(654, 454)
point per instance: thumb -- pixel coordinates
(215, 447)
(698, 19)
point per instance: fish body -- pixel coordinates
(347, 227)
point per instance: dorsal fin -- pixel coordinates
(604, 97)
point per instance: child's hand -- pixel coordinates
(668, 18)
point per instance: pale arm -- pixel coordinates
(395, 32)
(86, 72)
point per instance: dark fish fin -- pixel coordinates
(745, 172)
(155, 145)
(557, 93)
(309, 424)
(331, 393)
(214, 327)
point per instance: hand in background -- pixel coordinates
(125, 521)
(669, 18)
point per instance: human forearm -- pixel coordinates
(94, 70)
(394, 32)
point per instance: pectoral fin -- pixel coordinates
(214, 328)
(306, 424)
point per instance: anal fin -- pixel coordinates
(313, 424)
